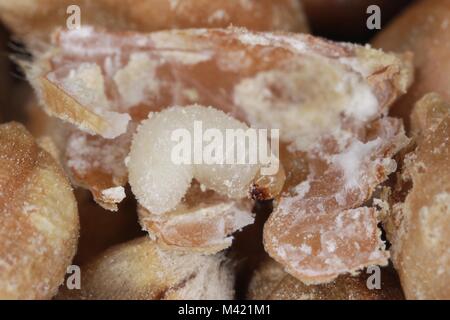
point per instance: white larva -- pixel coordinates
(158, 182)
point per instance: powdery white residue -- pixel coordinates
(217, 16)
(297, 43)
(305, 249)
(350, 160)
(331, 246)
(115, 194)
(362, 103)
(137, 81)
(302, 189)
(85, 154)
(86, 84)
(233, 60)
(254, 39)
